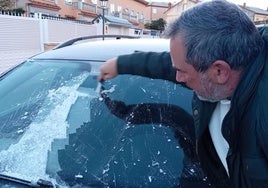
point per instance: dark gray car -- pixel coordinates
(58, 129)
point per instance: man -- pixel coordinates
(217, 51)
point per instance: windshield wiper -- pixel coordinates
(38, 183)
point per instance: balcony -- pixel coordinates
(44, 4)
(88, 9)
(133, 17)
(99, 11)
(142, 21)
(126, 16)
(116, 14)
(92, 10)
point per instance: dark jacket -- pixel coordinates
(245, 126)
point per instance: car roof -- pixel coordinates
(104, 49)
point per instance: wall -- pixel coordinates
(260, 17)
(22, 37)
(59, 31)
(176, 10)
(160, 12)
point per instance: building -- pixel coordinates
(127, 17)
(174, 11)
(156, 10)
(137, 12)
(37, 6)
(132, 10)
(257, 15)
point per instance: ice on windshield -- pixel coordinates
(28, 157)
(117, 149)
(77, 137)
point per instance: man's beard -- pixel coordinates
(211, 92)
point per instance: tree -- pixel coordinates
(6, 4)
(159, 24)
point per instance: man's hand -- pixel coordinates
(108, 69)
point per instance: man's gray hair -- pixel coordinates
(217, 30)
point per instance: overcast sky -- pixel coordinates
(263, 4)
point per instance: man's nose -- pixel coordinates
(180, 77)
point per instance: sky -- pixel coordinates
(263, 4)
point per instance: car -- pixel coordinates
(61, 128)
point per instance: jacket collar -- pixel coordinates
(245, 90)
(251, 77)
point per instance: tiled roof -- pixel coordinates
(142, 2)
(118, 21)
(159, 4)
(255, 10)
(114, 21)
(49, 5)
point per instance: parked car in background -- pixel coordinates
(56, 129)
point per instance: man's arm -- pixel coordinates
(148, 64)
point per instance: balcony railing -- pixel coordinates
(116, 14)
(12, 13)
(142, 21)
(89, 7)
(75, 5)
(48, 17)
(98, 10)
(126, 16)
(146, 21)
(133, 17)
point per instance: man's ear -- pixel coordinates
(220, 71)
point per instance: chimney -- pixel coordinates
(169, 5)
(244, 5)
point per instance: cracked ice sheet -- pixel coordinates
(27, 159)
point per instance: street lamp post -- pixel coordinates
(103, 6)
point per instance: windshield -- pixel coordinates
(55, 126)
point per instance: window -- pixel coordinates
(119, 8)
(111, 7)
(141, 16)
(68, 2)
(184, 6)
(154, 11)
